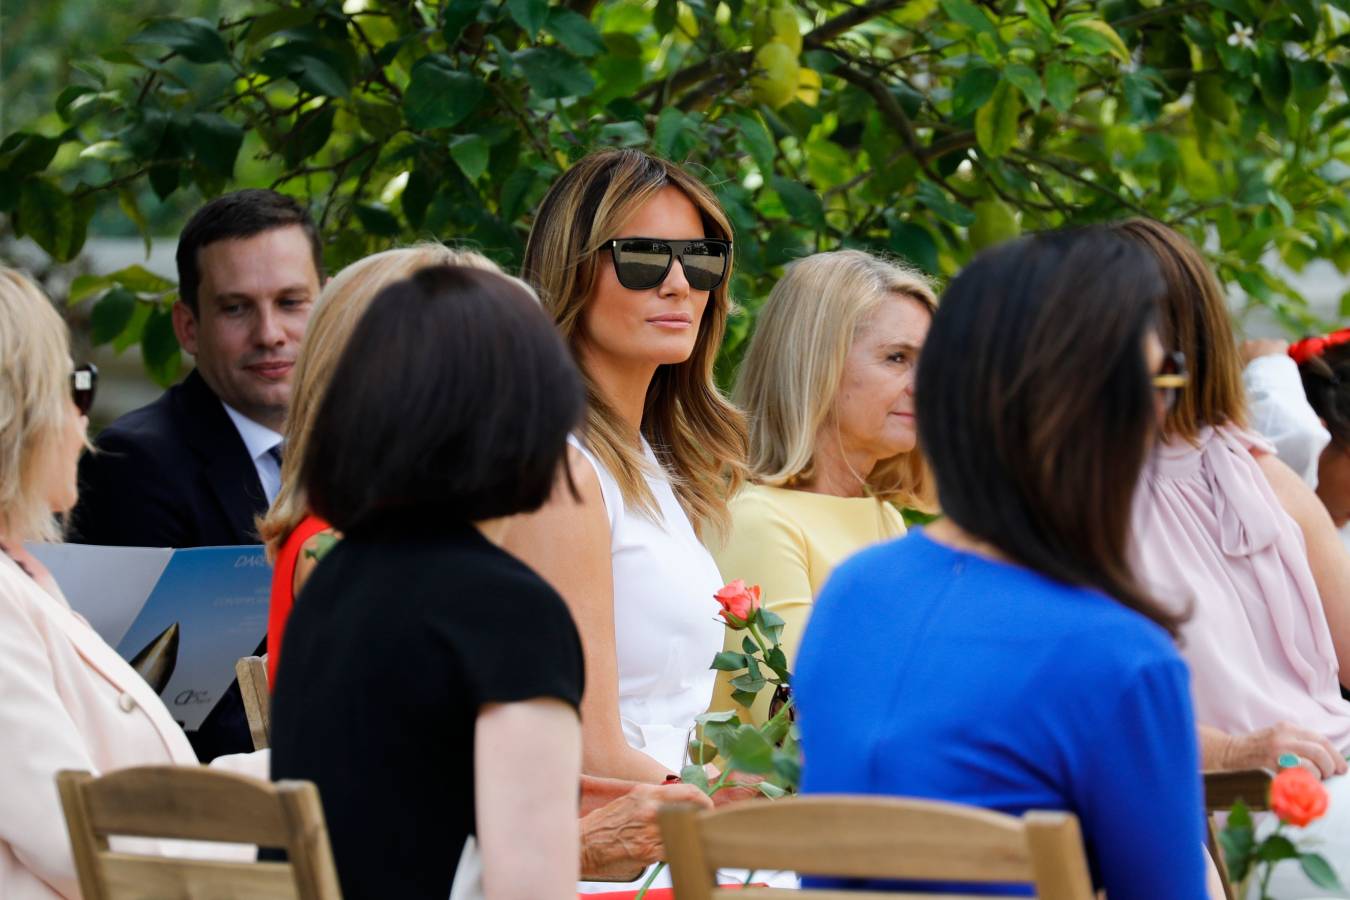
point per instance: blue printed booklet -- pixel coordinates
(182, 618)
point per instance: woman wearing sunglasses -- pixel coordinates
(632, 256)
(1222, 525)
(67, 700)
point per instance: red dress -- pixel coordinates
(283, 597)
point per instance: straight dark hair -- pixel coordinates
(242, 214)
(1326, 383)
(1035, 406)
(455, 393)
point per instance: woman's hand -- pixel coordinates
(623, 837)
(1263, 749)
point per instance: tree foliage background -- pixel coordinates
(926, 128)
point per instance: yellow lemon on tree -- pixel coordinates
(808, 86)
(995, 222)
(777, 22)
(775, 81)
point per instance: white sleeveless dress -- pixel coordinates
(666, 629)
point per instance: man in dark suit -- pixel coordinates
(196, 466)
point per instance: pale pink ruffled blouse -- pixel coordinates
(1209, 532)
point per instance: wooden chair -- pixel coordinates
(252, 674)
(200, 804)
(1222, 790)
(873, 837)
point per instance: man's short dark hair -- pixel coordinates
(455, 393)
(242, 214)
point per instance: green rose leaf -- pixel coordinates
(1320, 872)
(750, 752)
(1275, 848)
(729, 661)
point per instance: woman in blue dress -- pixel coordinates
(1006, 656)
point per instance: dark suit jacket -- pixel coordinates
(175, 474)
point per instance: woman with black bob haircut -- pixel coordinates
(1005, 656)
(431, 681)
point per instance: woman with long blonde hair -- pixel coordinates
(632, 256)
(828, 388)
(292, 533)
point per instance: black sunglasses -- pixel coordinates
(1171, 378)
(642, 263)
(83, 383)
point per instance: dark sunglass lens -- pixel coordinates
(641, 264)
(705, 265)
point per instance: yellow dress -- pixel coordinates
(788, 541)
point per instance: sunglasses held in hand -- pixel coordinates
(83, 383)
(642, 263)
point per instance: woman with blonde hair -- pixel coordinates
(632, 257)
(292, 533)
(70, 702)
(828, 388)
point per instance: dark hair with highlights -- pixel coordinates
(242, 214)
(455, 393)
(1035, 407)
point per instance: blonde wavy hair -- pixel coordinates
(789, 380)
(698, 437)
(34, 402)
(341, 305)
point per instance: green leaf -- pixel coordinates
(668, 127)
(1143, 97)
(968, 14)
(665, 16)
(29, 153)
(1306, 13)
(215, 142)
(514, 191)
(438, 96)
(47, 216)
(744, 698)
(458, 15)
(622, 134)
(318, 77)
(770, 790)
(695, 775)
(1272, 70)
(159, 347)
(1061, 87)
(265, 26)
(932, 197)
(126, 201)
(377, 219)
(1275, 848)
(553, 74)
(749, 683)
(996, 122)
(132, 333)
(141, 280)
(84, 286)
(529, 14)
(914, 244)
(755, 139)
(973, 90)
(111, 314)
(1026, 81)
(575, 32)
(729, 661)
(1320, 872)
(1039, 15)
(750, 752)
(1311, 81)
(196, 40)
(69, 95)
(802, 203)
(470, 153)
(1095, 37)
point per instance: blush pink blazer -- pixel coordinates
(67, 701)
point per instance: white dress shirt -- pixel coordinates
(1281, 414)
(260, 441)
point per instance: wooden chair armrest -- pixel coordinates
(1251, 786)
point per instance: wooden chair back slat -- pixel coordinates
(257, 695)
(150, 876)
(197, 804)
(874, 838)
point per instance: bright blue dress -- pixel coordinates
(934, 673)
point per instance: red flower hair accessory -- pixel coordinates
(1312, 347)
